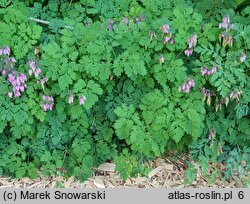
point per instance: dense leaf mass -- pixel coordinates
(89, 81)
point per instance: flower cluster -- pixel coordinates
(236, 94)
(110, 26)
(7, 61)
(227, 38)
(192, 41)
(207, 94)
(226, 23)
(208, 72)
(5, 51)
(167, 35)
(139, 19)
(18, 81)
(48, 102)
(42, 81)
(186, 86)
(243, 57)
(81, 99)
(33, 69)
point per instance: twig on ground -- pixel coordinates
(47, 22)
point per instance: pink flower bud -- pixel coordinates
(187, 89)
(44, 97)
(243, 57)
(165, 28)
(71, 98)
(32, 65)
(214, 69)
(186, 52)
(6, 51)
(203, 71)
(226, 20)
(30, 72)
(37, 72)
(179, 89)
(82, 100)
(10, 94)
(166, 40)
(21, 88)
(17, 93)
(191, 83)
(162, 59)
(4, 73)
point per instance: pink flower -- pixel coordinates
(214, 69)
(172, 41)
(162, 59)
(1, 51)
(208, 72)
(192, 41)
(71, 98)
(187, 86)
(44, 97)
(226, 19)
(10, 94)
(48, 103)
(243, 57)
(191, 83)
(179, 89)
(110, 26)
(166, 40)
(32, 65)
(4, 73)
(17, 93)
(44, 107)
(30, 72)
(50, 98)
(187, 89)
(203, 71)
(11, 77)
(82, 100)
(6, 51)
(37, 72)
(188, 52)
(21, 88)
(226, 23)
(165, 28)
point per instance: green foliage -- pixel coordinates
(113, 54)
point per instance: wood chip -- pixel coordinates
(99, 183)
(159, 162)
(155, 171)
(140, 179)
(169, 167)
(128, 182)
(68, 183)
(107, 167)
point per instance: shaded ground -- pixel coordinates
(164, 174)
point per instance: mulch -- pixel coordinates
(164, 174)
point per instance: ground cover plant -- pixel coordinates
(89, 81)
